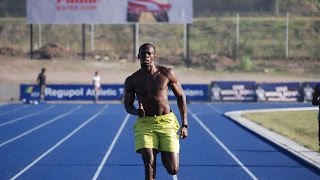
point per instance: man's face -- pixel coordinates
(147, 56)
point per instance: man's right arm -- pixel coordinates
(316, 95)
(129, 96)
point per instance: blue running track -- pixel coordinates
(95, 141)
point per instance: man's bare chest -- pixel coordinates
(151, 84)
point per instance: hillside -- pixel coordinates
(212, 40)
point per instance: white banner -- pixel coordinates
(109, 11)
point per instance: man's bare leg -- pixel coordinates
(170, 161)
(149, 157)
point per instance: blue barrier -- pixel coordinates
(71, 92)
(307, 90)
(108, 92)
(216, 91)
(279, 92)
(232, 91)
(193, 92)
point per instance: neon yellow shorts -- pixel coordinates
(158, 132)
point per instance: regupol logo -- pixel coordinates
(30, 90)
(64, 93)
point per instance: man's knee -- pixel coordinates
(148, 155)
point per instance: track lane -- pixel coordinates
(201, 157)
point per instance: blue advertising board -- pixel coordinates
(307, 90)
(216, 91)
(279, 92)
(193, 92)
(55, 92)
(29, 92)
(232, 91)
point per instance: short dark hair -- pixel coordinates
(146, 45)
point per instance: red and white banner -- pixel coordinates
(109, 11)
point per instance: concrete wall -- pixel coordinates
(9, 92)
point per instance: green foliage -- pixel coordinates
(316, 26)
(246, 63)
(260, 38)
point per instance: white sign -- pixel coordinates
(109, 11)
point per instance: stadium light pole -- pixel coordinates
(185, 40)
(238, 36)
(83, 42)
(31, 41)
(277, 7)
(287, 35)
(40, 35)
(136, 41)
(92, 37)
(187, 45)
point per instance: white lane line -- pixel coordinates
(214, 108)
(106, 156)
(23, 117)
(23, 107)
(223, 146)
(39, 126)
(59, 143)
(175, 177)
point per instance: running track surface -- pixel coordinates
(95, 141)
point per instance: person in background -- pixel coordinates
(96, 85)
(316, 101)
(156, 128)
(41, 81)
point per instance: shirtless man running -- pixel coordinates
(156, 127)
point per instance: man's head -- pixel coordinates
(147, 54)
(43, 70)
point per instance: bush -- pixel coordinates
(245, 63)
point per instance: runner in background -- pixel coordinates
(96, 85)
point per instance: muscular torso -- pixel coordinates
(152, 91)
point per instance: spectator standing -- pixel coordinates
(41, 80)
(96, 85)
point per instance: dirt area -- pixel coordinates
(67, 67)
(24, 70)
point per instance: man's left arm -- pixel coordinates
(181, 101)
(182, 104)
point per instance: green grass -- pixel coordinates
(300, 126)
